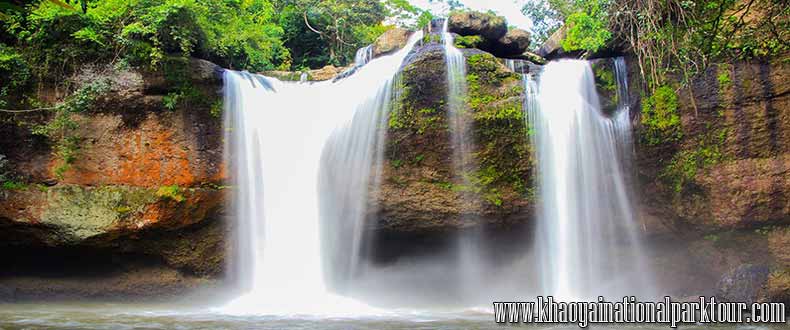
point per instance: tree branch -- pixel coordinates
(307, 22)
(27, 110)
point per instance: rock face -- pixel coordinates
(720, 188)
(744, 284)
(140, 206)
(735, 140)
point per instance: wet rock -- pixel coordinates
(419, 192)
(328, 72)
(743, 284)
(735, 120)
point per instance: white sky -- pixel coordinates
(510, 9)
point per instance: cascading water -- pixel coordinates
(363, 56)
(278, 132)
(458, 117)
(587, 238)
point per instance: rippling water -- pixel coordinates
(124, 316)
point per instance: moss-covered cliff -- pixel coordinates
(420, 190)
(712, 160)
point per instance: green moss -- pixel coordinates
(485, 95)
(468, 41)
(432, 38)
(13, 185)
(495, 98)
(79, 212)
(396, 163)
(723, 77)
(661, 118)
(684, 166)
(174, 193)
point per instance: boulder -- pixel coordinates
(552, 47)
(488, 26)
(492, 33)
(515, 42)
(745, 283)
(390, 41)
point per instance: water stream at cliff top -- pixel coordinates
(587, 238)
(279, 134)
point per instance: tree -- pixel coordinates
(344, 25)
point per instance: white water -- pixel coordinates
(278, 132)
(363, 56)
(587, 239)
(470, 262)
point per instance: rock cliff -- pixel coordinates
(139, 206)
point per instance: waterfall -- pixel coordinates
(587, 238)
(281, 135)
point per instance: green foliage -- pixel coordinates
(13, 185)
(468, 41)
(216, 109)
(335, 28)
(236, 34)
(397, 163)
(14, 75)
(170, 101)
(545, 19)
(174, 193)
(588, 28)
(184, 93)
(660, 117)
(605, 79)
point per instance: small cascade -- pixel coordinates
(456, 102)
(363, 56)
(286, 141)
(587, 238)
(471, 265)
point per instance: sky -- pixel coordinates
(510, 9)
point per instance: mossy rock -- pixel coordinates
(78, 213)
(421, 190)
